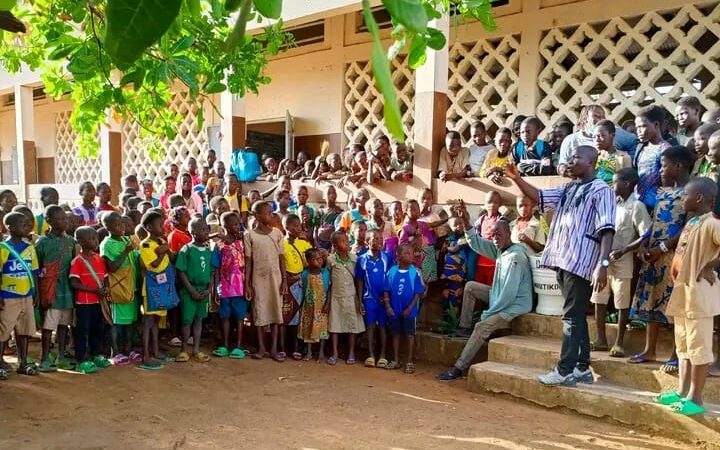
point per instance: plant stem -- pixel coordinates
(238, 32)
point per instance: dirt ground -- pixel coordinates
(290, 405)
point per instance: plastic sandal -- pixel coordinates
(86, 367)
(47, 366)
(639, 358)
(670, 366)
(332, 361)
(135, 357)
(163, 358)
(392, 365)
(201, 357)
(101, 362)
(3, 374)
(667, 398)
(370, 362)
(221, 352)
(279, 357)
(120, 360)
(66, 364)
(409, 368)
(350, 361)
(617, 351)
(382, 363)
(297, 356)
(687, 408)
(28, 369)
(182, 357)
(175, 342)
(237, 354)
(151, 365)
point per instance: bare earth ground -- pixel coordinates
(293, 405)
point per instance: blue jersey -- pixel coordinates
(403, 289)
(373, 272)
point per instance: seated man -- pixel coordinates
(510, 295)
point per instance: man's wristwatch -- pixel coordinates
(605, 263)
(663, 247)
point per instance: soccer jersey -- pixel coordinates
(80, 270)
(295, 255)
(403, 287)
(196, 263)
(16, 281)
(372, 271)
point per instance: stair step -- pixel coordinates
(533, 324)
(629, 406)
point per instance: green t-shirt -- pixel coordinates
(195, 262)
(49, 248)
(112, 248)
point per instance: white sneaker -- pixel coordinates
(583, 377)
(553, 378)
(190, 341)
(175, 342)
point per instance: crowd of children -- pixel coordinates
(204, 255)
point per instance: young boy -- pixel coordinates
(403, 288)
(104, 195)
(295, 246)
(218, 207)
(479, 147)
(632, 221)
(48, 196)
(118, 251)
(8, 201)
(195, 271)
(693, 302)
(87, 210)
(701, 149)
(170, 186)
(532, 155)
(17, 292)
(147, 192)
(401, 163)
(526, 229)
(88, 278)
(687, 113)
(454, 159)
(713, 157)
(454, 269)
(229, 262)
(370, 273)
(55, 252)
(494, 165)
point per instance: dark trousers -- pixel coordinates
(575, 350)
(88, 330)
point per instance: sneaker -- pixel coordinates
(553, 378)
(451, 374)
(175, 342)
(583, 376)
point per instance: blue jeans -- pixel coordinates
(575, 350)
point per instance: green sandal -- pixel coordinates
(86, 367)
(237, 354)
(101, 362)
(668, 398)
(66, 364)
(221, 352)
(47, 366)
(687, 408)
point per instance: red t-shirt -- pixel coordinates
(79, 270)
(178, 239)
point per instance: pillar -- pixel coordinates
(528, 91)
(25, 139)
(232, 124)
(431, 103)
(111, 155)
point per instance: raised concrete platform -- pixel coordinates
(603, 400)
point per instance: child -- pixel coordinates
(294, 246)
(55, 252)
(494, 165)
(370, 273)
(306, 223)
(485, 224)
(687, 113)
(88, 278)
(130, 182)
(265, 281)
(118, 251)
(316, 302)
(454, 267)
(218, 207)
(179, 236)
(413, 233)
(326, 218)
(229, 262)
(377, 222)
(192, 199)
(271, 170)
(195, 272)
(712, 170)
(693, 303)
(147, 191)
(656, 252)
(632, 221)
(403, 288)
(17, 285)
(434, 233)
(610, 159)
(191, 168)
(701, 138)
(48, 196)
(155, 259)
(532, 155)
(216, 183)
(174, 171)
(282, 202)
(301, 196)
(401, 164)
(346, 308)
(397, 216)
(358, 231)
(526, 229)
(27, 212)
(454, 159)
(648, 124)
(104, 194)
(234, 196)
(8, 201)
(87, 210)
(170, 186)
(358, 212)
(479, 147)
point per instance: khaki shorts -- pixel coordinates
(19, 315)
(55, 317)
(693, 339)
(621, 289)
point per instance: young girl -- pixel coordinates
(526, 229)
(358, 231)
(356, 212)
(610, 159)
(301, 197)
(87, 210)
(494, 165)
(235, 199)
(191, 167)
(104, 194)
(648, 124)
(412, 232)
(179, 236)
(265, 280)
(316, 302)
(306, 223)
(433, 234)
(345, 306)
(656, 253)
(170, 186)
(326, 217)
(377, 222)
(282, 200)
(485, 267)
(701, 138)
(295, 247)
(192, 199)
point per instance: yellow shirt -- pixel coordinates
(492, 160)
(234, 206)
(295, 256)
(16, 281)
(41, 226)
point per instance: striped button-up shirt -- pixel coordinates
(582, 212)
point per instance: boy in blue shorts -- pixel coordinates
(403, 288)
(370, 271)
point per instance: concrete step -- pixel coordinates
(436, 348)
(603, 400)
(538, 325)
(544, 353)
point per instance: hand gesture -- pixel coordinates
(524, 238)
(615, 255)
(130, 246)
(406, 313)
(708, 274)
(653, 254)
(511, 171)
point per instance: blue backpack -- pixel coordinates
(245, 165)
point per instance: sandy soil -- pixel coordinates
(293, 405)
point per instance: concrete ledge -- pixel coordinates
(438, 349)
(628, 406)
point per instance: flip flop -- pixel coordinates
(221, 352)
(46, 367)
(237, 354)
(392, 365)
(121, 360)
(370, 362)
(639, 358)
(297, 356)
(66, 364)
(350, 361)
(201, 357)
(150, 365)
(668, 398)
(617, 351)
(670, 366)
(279, 357)
(687, 408)
(332, 361)
(164, 358)
(257, 355)
(182, 357)
(101, 362)
(382, 363)
(409, 368)
(3, 374)
(135, 357)
(86, 367)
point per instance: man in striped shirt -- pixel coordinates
(578, 248)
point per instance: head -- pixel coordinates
(8, 200)
(301, 195)
(16, 224)
(675, 163)
(174, 171)
(230, 222)
(361, 159)
(334, 161)
(49, 196)
(282, 198)
(271, 165)
(493, 201)
(629, 126)
(219, 168)
(361, 198)
(358, 230)
(291, 166)
(305, 217)
(233, 184)
(87, 238)
(56, 217)
(219, 205)
(130, 181)
(330, 195)
(624, 181)
(170, 183)
(210, 157)
(113, 222)
(191, 165)
(253, 196)
(375, 208)
(425, 199)
(143, 207)
(478, 133)
(180, 217)
(401, 152)
(530, 129)
(152, 222)
(199, 229)
(700, 195)
(301, 158)
(87, 192)
(263, 213)
(340, 242)
(314, 259)
(501, 234)
(559, 132)
(412, 209)
(374, 239)
(404, 254)
(292, 225)
(130, 221)
(590, 115)
(525, 207)
(712, 116)
(648, 123)
(382, 142)
(186, 183)
(175, 200)
(73, 221)
(688, 111)
(453, 142)
(714, 148)
(205, 174)
(503, 141)
(582, 161)
(701, 137)
(309, 167)
(517, 121)
(27, 212)
(456, 225)
(147, 188)
(396, 211)
(604, 135)
(284, 183)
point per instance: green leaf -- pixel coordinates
(215, 87)
(136, 77)
(134, 25)
(418, 52)
(193, 7)
(181, 44)
(410, 13)
(60, 52)
(272, 9)
(383, 80)
(436, 39)
(232, 5)
(200, 118)
(431, 12)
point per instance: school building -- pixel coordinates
(547, 58)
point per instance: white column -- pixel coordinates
(25, 138)
(232, 124)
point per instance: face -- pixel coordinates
(128, 225)
(231, 224)
(305, 218)
(301, 159)
(604, 140)
(396, 210)
(233, 184)
(492, 203)
(413, 211)
(401, 153)
(200, 230)
(220, 169)
(116, 227)
(104, 194)
(334, 161)
(405, 255)
(221, 207)
(265, 216)
(692, 198)
(147, 190)
(525, 207)
(316, 261)
(501, 235)
(284, 201)
(528, 133)
(479, 136)
(211, 158)
(383, 145)
(456, 226)
(285, 184)
(359, 233)
(58, 221)
(155, 228)
(646, 130)
(294, 228)
(302, 195)
(361, 201)
(686, 116)
(426, 200)
(713, 150)
(701, 143)
(271, 165)
(192, 165)
(383, 155)
(183, 218)
(452, 145)
(595, 116)
(342, 244)
(361, 159)
(558, 136)
(503, 141)
(620, 187)
(10, 201)
(51, 198)
(375, 241)
(580, 164)
(669, 171)
(376, 208)
(170, 185)
(331, 195)
(186, 183)
(174, 171)
(88, 193)
(205, 175)
(253, 197)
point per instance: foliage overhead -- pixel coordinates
(129, 56)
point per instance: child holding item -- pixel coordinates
(294, 249)
(494, 165)
(316, 302)
(433, 234)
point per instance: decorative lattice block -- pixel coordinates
(69, 167)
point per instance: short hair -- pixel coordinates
(690, 102)
(150, 217)
(144, 203)
(5, 193)
(12, 219)
(176, 200)
(407, 203)
(504, 130)
(628, 175)
(215, 200)
(383, 137)
(48, 190)
(280, 193)
(149, 181)
(134, 215)
(101, 185)
(532, 120)
(169, 177)
(24, 210)
(196, 222)
(362, 192)
(653, 113)
(82, 187)
(226, 215)
(251, 191)
(131, 177)
(302, 186)
(85, 232)
(110, 217)
(336, 236)
(185, 174)
(517, 120)
(606, 125)
(452, 134)
(478, 126)
(51, 211)
(705, 186)
(404, 246)
(311, 253)
(679, 154)
(290, 218)
(356, 224)
(258, 207)
(566, 126)
(707, 129)
(713, 115)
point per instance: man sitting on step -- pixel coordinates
(509, 296)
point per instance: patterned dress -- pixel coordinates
(655, 282)
(313, 321)
(453, 275)
(325, 221)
